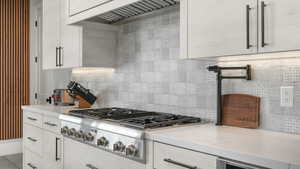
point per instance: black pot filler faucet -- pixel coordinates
(220, 77)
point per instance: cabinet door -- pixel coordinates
(75, 154)
(31, 160)
(52, 150)
(220, 27)
(33, 139)
(170, 157)
(51, 26)
(279, 25)
(81, 156)
(70, 39)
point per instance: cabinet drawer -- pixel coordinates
(78, 6)
(170, 157)
(51, 124)
(31, 160)
(82, 156)
(33, 118)
(33, 138)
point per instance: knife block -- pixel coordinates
(83, 104)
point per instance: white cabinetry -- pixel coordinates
(31, 160)
(51, 33)
(211, 28)
(279, 25)
(42, 143)
(33, 139)
(52, 150)
(81, 156)
(63, 45)
(170, 157)
(70, 40)
(218, 27)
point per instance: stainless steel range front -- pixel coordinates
(116, 130)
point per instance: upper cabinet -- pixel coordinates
(279, 25)
(220, 27)
(71, 46)
(51, 33)
(211, 28)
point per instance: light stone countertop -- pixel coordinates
(49, 110)
(254, 146)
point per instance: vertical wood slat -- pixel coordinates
(14, 66)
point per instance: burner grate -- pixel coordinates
(162, 120)
(135, 118)
(111, 113)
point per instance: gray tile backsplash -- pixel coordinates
(268, 77)
(149, 76)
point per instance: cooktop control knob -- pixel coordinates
(64, 130)
(71, 132)
(102, 142)
(79, 134)
(119, 146)
(88, 137)
(131, 150)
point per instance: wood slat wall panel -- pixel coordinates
(14, 66)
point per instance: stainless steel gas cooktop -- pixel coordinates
(118, 130)
(135, 118)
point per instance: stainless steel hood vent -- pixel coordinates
(135, 9)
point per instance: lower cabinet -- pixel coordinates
(45, 148)
(170, 157)
(52, 150)
(81, 156)
(42, 144)
(33, 139)
(31, 160)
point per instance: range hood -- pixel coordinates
(135, 9)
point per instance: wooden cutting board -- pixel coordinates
(241, 110)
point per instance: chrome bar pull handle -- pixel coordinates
(31, 118)
(56, 59)
(90, 166)
(263, 6)
(31, 166)
(60, 56)
(50, 124)
(248, 27)
(56, 149)
(179, 164)
(31, 139)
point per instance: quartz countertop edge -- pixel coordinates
(49, 110)
(236, 143)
